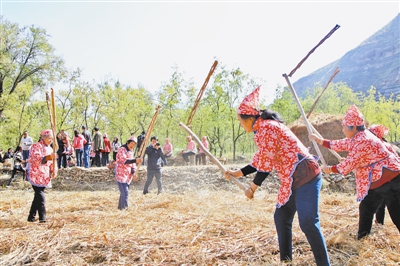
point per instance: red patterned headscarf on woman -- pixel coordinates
(353, 117)
(46, 132)
(379, 130)
(249, 105)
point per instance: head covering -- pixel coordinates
(46, 132)
(133, 138)
(353, 117)
(249, 105)
(379, 130)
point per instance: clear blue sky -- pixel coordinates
(139, 42)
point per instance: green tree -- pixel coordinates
(26, 55)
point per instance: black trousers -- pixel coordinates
(97, 159)
(380, 214)
(388, 194)
(38, 205)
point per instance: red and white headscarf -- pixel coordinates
(353, 117)
(46, 132)
(250, 104)
(379, 130)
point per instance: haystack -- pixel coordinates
(329, 126)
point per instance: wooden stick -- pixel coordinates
(210, 156)
(332, 151)
(146, 138)
(52, 113)
(313, 49)
(309, 129)
(201, 92)
(337, 70)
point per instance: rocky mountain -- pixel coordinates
(375, 62)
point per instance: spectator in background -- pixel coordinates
(79, 139)
(98, 146)
(26, 146)
(201, 156)
(9, 154)
(87, 145)
(125, 170)
(168, 148)
(17, 165)
(140, 140)
(68, 148)
(189, 150)
(155, 159)
(115, 146)
(105, 154)
(61, 155)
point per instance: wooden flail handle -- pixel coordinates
(201, 92)
(210, 156)
(51, 107)
(146, 139)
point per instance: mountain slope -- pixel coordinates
(375, 62)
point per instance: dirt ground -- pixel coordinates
(200, 219)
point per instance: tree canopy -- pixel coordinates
(29, 65)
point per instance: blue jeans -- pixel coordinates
(79, 155)
(86, 155)
(124, 195)
(304, 200)
(150, 174)
(25, 156)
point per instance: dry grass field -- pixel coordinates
(200, 219)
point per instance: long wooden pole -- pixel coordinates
(313, 49)
(201, 92)
(52, 115)
(308, 125)
(337, 70)
(210, 156)
(146, 139)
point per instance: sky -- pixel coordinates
(139, 42)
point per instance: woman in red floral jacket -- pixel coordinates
(40, 169)
(376, 168)
(125, 169)
(298, 171)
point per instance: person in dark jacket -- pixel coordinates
(87, 145)
(155, 158)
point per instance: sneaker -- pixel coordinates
(42, 221)
(8, 186)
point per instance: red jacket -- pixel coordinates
(107, 145)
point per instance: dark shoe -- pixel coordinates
(145, 192)
(31, 220)
(42, 221)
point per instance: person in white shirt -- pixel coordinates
(26, 146)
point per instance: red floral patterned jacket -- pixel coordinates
(367, 155)
(278, 148)
(124, 172)
(39, 173)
